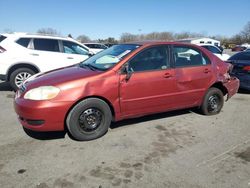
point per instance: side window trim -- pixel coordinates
(167, 63)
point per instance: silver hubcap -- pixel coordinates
(21, 77)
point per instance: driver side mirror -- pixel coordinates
(126, 70)
(91, 53)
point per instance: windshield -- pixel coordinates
(110, 57)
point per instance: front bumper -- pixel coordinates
(41, 115)
(232, 86)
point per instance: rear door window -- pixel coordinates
(46, 45)
(185, 56)
(213, 49)
(23, 42)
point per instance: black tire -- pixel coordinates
(89, 119)
(26, 72)
(212, 102)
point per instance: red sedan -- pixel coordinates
(124, 81)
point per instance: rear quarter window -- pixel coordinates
(2, 38)
(23, 42)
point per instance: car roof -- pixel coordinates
(93, 43)
(46, 36)
(150, 43)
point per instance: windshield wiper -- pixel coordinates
(89, 66)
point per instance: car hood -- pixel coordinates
(60, 76)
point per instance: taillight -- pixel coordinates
(2, 49)
(246, 68)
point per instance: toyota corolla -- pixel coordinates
(124, 81)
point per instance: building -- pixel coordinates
(201, 41)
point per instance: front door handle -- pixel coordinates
(34, 54)
(206, 70)
(70, 58)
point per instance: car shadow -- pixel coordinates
(45, 135)
(61, 134)
(152, 117)
(5, 86)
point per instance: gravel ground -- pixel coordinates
(175, 149)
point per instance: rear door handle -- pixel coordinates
(206, 70)
(34, 54)
(167, 75)
(70, 58)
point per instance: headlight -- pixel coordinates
(42, 93)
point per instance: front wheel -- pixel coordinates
(89, 119)
(212, 102)
(19, 76)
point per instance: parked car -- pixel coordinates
(238, 48)
(95, 47)
(109, 44)
(241, 68)
(216, 51)
(124, 81)
(22, 55)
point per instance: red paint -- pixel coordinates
(144, 93)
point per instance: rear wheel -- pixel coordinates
(19, 76)
(89, 119)
(213, 102)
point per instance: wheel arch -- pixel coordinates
(221, 87)
(21, 65)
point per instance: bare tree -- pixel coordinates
(48, 31)
(8, 30)
(83, 38)
(128, 37)
(245, 33)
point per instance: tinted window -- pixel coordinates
(100, 46)
(2, 38)
(89, 45)
(212, 49)
(74, 48)
(186, 56)
(46, 45)
(150, 59)
(23, 42)
(241, 56)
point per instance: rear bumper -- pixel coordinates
(3, 77)
(232, 86)
(244, 81)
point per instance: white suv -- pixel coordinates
(22, 55)
(216, 51)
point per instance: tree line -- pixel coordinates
(242, 37)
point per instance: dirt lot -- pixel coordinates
(177, 149)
